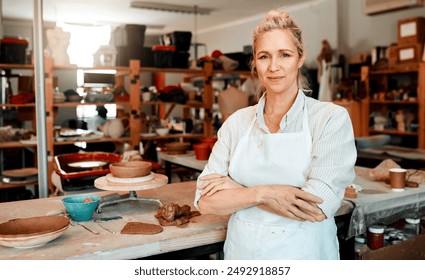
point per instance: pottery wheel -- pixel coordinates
(103, 184)
(157, 181)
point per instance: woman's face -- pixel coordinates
(277, 61)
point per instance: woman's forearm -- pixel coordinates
(229, 201)
(286, 201)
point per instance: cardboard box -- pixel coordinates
(411, 31)
(409, 53)
(411, 249)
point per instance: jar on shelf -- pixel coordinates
(412, 227)
(375, 237)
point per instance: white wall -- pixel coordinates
(342, 22)
(360, 33)
(318, 21)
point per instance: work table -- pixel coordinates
(79, 243)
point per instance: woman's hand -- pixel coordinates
(292, 202)
(216, 182)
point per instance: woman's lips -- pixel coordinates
(276, 78)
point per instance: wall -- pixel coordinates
(232, 37)
(360, 33)
(342, 22)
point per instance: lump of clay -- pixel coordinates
(172, 214)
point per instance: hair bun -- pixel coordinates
(277, 13)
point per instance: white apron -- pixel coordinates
(278, 158)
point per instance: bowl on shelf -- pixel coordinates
(177, 148)
(81, 207)
(130, 169)
(162, 131)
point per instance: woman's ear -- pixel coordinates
(301, 61)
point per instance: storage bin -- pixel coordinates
(13, 50)
(129, 40)
(147, 57)
(181, 59)
(163, 56)
(180, 39)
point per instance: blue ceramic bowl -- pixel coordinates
(79, 210)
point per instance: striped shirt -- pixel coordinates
(333, 148)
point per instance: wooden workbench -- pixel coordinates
(79, 243)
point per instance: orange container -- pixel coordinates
(209, 140)
(202, 151)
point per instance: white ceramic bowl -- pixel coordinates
(162, 131)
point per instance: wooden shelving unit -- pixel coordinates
(134, 105)
(378, 85)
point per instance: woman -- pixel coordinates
(280, 167)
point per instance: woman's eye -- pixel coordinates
(285, 55)
(263, 56)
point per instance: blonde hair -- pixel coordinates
(277, 19)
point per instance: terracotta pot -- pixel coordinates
(202, 151)
(130, 169)
(209, 140)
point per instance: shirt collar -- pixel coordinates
(293, 112)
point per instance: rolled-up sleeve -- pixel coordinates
(218, 161)
(228, 136)
(333, 158)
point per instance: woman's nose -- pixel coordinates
(274, 64)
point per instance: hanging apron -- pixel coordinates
(271, 159)
(325, 91)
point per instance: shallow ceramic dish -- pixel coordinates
(177, 148)
(130, 169)
(23, 172)
(32, 232)
(81, 207)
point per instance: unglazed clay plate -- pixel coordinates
(23, 172)
(32, 232)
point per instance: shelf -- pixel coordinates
(16, 144)
(393, 131)
(75, 104)
(173, 136)
(393, 71)
(195, 104)
(17, 66)
(385, 81)
(75, 67)
(4, 186)
(393, 102)
(172, 70)
(31, 105)
(102, 140)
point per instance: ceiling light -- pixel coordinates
(170, 8)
